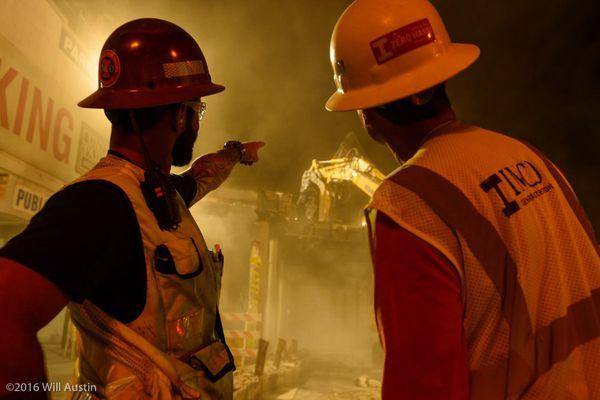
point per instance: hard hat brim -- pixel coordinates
(120, 99)
(455, 59)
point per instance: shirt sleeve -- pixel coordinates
(185, 186)
(210, 171)
(418, 308)
(79, 238)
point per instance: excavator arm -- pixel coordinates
(320, 181)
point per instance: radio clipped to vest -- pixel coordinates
(160, 193)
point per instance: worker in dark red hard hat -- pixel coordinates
(119, 244)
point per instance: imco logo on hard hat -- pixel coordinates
(403, 40)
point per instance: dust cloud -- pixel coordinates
(536, 79)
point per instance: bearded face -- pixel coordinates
(184, 145)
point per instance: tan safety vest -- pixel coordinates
(141, 359)
(529, 264)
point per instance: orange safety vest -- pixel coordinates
(529, 264)
(143, 358)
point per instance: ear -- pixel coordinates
(180, 118)
(422, 98)
(372, 122)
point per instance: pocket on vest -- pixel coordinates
(179, 257)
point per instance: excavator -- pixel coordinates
(326, 185)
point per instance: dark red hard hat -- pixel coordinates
(150, 62)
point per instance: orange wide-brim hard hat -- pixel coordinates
(386, 50)
(455, 59)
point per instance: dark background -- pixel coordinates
(536, 79)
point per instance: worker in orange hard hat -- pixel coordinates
(119, 244)
(487, 271)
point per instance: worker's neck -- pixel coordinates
(129, 146)
(409, 137)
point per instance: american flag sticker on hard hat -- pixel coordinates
(401, 41)
(183, 68)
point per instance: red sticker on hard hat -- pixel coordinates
(403, 40)
(110, 68)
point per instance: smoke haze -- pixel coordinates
(536, 79)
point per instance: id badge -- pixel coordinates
(215, 360)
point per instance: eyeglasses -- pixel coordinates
(198, 107)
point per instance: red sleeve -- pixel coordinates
(418, 308)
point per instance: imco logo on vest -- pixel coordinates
(525, 182)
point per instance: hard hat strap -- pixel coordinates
(159, 192)
(136, 128)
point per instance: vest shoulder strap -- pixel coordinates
(411, 212)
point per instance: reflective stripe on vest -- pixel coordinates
(551, 344)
